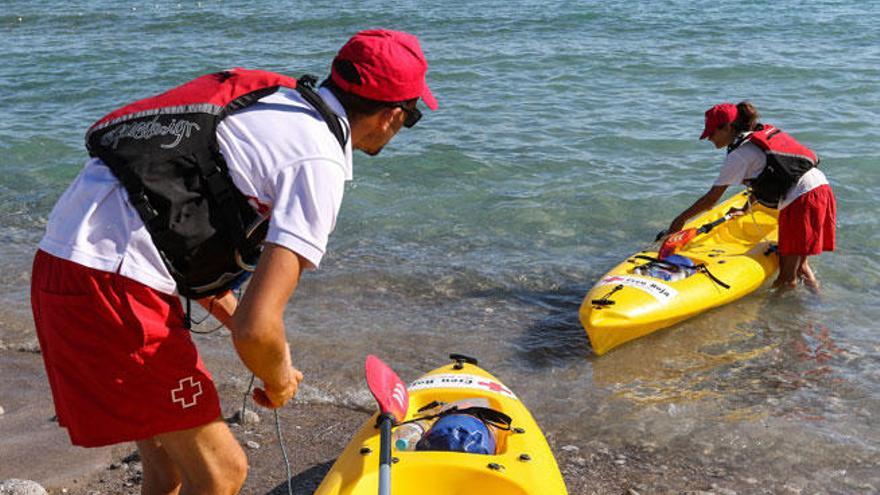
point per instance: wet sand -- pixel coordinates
(32, 446)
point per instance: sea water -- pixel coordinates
(566, 138)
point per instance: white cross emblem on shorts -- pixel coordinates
(188, 389)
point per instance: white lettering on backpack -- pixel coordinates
(148, 130)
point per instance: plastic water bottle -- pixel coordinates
(407, 435)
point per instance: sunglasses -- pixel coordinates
(413, 115)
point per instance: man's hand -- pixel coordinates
(258, 325)
(221, 306)
(275, 397)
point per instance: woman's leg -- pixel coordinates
(788, 269)
(805, 273)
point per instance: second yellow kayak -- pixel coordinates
(640, 296)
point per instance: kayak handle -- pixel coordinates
(711, 225)
(461, 359)
(604, 301)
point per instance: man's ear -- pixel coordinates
(387, 116)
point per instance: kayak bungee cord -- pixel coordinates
(700, 268)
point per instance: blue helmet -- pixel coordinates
(677, 259)
(460, 433)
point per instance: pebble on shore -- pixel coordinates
(14, 486)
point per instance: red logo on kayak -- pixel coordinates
(495, 387)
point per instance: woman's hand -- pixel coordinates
(676, 225)
(705, 202)
(736, 212)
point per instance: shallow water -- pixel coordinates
(566, 138)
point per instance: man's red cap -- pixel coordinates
(383, 65)
(717, 116)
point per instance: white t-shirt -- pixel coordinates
(280, 154)
(746, 162)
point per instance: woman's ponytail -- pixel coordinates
(746, 117)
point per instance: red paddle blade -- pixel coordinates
(388, 389)
(675, 241)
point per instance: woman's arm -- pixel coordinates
(705, 202)
(735, 212)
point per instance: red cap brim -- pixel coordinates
(428, 98)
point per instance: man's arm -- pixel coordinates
(258, 325)
(220, 306)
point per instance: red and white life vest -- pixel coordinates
(164, 151)
(787, 161)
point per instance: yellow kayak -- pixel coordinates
(642, 295)
(523, 463)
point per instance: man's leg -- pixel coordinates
(161, 476)
(208, 458)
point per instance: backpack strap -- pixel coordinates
(305, 86)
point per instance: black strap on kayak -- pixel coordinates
(604, 301)
(658, 261)
(702, 268)
(487, 415)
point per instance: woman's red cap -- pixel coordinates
(717, 116)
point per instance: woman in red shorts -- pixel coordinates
(781, 173)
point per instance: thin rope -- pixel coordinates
(244, 402)
(193, 321)
(277, 433)
(283, 452)
(205, 332)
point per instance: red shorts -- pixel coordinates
(807, 225)
(120, 363)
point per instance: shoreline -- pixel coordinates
(33, 447)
